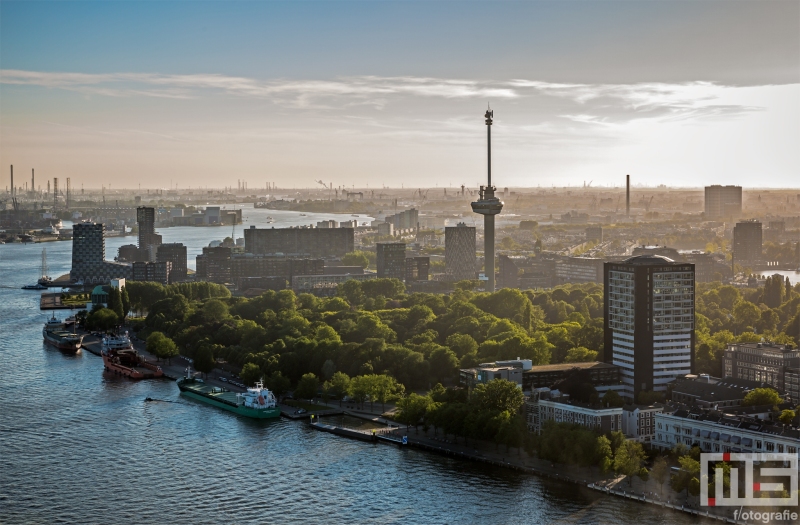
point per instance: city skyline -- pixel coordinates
(393, 93)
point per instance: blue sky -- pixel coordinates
(378, 92)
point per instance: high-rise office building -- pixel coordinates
(723, 201)
(459, 252)
(174, 253)
(649, 321)
(404, 220)
(391, 259)
(417, 268)
(747, 243)
(317, 242)
(146, 220)
(157, 272)
(89, 254)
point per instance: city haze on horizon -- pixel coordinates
(367, 95)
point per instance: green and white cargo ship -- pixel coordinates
(258, 402)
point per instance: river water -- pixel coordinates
(80, 446)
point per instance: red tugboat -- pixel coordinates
(120, 357)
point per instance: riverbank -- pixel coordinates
(482, 452)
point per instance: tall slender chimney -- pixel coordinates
(627, 195)
(12, 180)
(32, 186)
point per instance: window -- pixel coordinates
(758, 444)
(780, 448)
(770, 447)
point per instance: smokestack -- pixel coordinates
(32, 186)
(627, 195)
(12, 180)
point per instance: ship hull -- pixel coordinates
(139, 372)
(66, 346)
(268, 413)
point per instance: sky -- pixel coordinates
(389, 93)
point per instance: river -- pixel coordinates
(81, 446)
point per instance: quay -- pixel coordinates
(388, 435)
(52, 301)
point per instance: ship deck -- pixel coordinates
(206, 390)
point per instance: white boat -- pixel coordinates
(53, 323)
(50, 230)
(117, 342)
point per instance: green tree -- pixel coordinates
(629, 459)
(204, 360)
(357, 258)
(387, 389)
(161, 346)
(580, 354)
(278, 384)
(115, 303)
(251, 373)
(687, 478)
(461, 344)
(660, 471)
(103, 319)
(612, 399)
(604, 454)
(762, 396)
(126, 301)
(307, 387)
(787, 416)
(340, 385)
(443, 363)
(499, 395)
(411, 410)
(214, 311)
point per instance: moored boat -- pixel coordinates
(258, 402)
(55, 335)
(128, 362)
(117, 342)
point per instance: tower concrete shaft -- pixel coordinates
(488, 205)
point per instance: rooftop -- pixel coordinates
(569, 366)
(648, 259)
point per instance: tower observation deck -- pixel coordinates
(488, 205)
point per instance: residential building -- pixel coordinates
(791, 382)
(748, 243)
(723, 202)
(214, 265)
(579, 270)
(131, 253)
(247, 265)
(146, 220)
(316, 242)
(545, 405)
(639, 421)
(324, 285)
(508, 272)
(482, 374)
(404, 220)
(417, 268)
(391, 259)
(703, 265)
(385, 228)
(459, 252)
(649, 321)
(175, 254)
(158, 272)
(712, 392)
(89, 254)
(547, 375)
(762, 362)
(594, 233)
(718, 431)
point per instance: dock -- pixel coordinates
(52, 301)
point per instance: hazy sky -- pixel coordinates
(205, 93)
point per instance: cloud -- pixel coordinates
(591, 104)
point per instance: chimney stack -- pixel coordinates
(12, 180)
(627, 195)
(32, 186)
